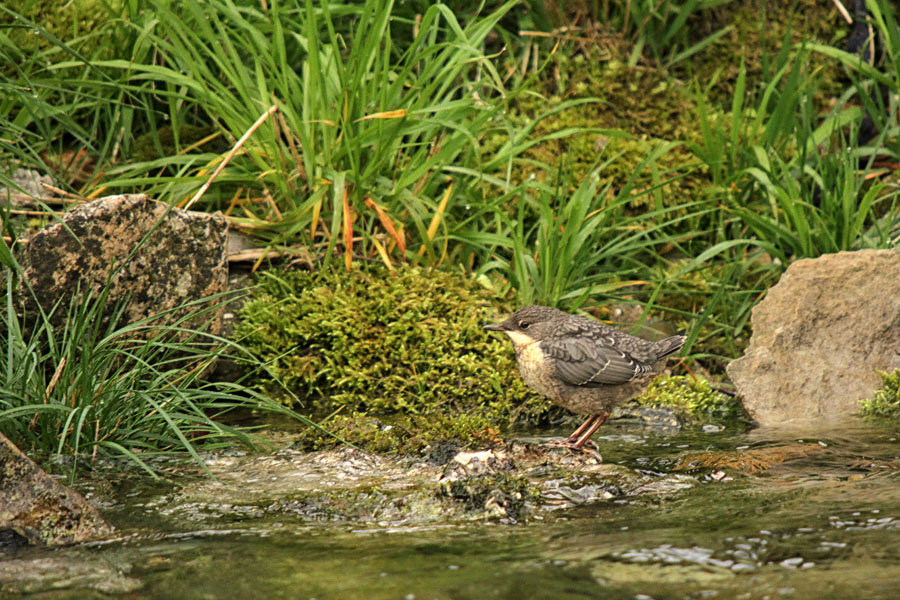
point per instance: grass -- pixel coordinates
(563, 248)
(792, 177)
(363, 135)
(96, 389)
(99, 386)
(660, 30)
(396, 133)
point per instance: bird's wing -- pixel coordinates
(592, 361)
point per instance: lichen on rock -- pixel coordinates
(145, 253)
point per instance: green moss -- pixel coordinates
(403, 434)
(647, 109)
(885, 404)
(66, 21)
(407, 345)
(501, 493)
(145, 148)
(653, 107)
(757, 31)
(693, 398)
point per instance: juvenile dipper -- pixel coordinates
(581, 364)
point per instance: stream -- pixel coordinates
(780, 514)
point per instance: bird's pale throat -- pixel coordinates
(519, 338)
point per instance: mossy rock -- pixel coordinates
(885, 404)
(407, 345)
(693, 400)
(505, 495)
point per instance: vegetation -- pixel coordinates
(90, 389)
(408, 345)
(504, 495)
(404, 433)
(410, 340)
(885, 404)
(629, 153)
(693, 399)
(97, 385)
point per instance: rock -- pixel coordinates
(79, 570)
(818, 337)
(483, 481)
(160, 256)
(40, 509)
(476, 464)
(520, 481)
(662, 418)
(29, 182)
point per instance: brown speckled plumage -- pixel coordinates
(581, 364)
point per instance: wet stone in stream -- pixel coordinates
(344, 485)
(79, 570)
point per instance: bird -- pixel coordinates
(581, 364)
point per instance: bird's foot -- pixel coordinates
(572, 444)
(586, 447)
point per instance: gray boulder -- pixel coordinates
(40, 509)
(818, 337)
(157, 256)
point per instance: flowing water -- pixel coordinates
(794, 516)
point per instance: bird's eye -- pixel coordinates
(524, 324)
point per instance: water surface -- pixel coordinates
(816, 517)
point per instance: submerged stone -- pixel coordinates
(517, 482)
(32, 575)
(39, 508)
(748, 460)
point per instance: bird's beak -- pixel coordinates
(504, 326)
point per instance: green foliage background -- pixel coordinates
(675, 155)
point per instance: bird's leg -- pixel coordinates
(595, 422)
(577, 433)
(581, 436)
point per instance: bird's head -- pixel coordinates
(529, 324)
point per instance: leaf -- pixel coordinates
(348, 233)
(388, 225)
(390, 114)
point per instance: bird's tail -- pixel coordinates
(669, 346)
